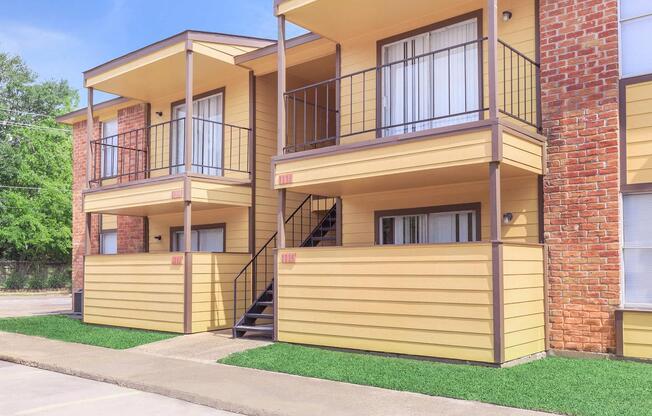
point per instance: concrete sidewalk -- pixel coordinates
(239, 390)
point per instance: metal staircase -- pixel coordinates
(312, 224)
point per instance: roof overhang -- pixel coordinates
(108, 107)
(163, 64)
(300, 49)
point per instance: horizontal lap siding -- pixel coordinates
(639, 132)
(146, 194)
(134, 290)
(524, 307)
(212, 289)
(426, 300)
(217, 193)
(522, 153)
(637, 334)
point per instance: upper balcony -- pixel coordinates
(420, 99)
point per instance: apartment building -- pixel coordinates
(459, 180)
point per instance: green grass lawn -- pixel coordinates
(569, 386)
(73, 330)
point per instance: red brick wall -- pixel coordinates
(579, 83)
(131, 232)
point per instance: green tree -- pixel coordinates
(35, 165)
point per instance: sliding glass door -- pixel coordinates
(207, 140)
(431, 79)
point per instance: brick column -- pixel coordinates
(579, 84)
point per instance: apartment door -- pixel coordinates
(207, 140)
(431, 79)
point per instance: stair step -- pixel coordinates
(259, 328)
(265, 302)
(259, 315)
(324, 238)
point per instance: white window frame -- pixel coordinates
(426, 215)
(623, 280)
(103, 234)
(107, 152)
(620, 42)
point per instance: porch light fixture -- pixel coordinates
(507, 218)
(159, 113)
(507, 15)
(157, 237)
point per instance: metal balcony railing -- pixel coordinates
(219, 149)
(434, 89)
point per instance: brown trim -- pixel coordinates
(498, 301)
(80, 112)
(338, 87)
(620, 332)
(521, 132)
(546, 302)
(195, 98)
(540, 217)
(537, 54)
(472, 206)
(492, 57)
(275, 295)
(178, 228)
(389, 140)
(338, 221)
(272, 49)
(622, 125)
(477, 14)
(187, 35)
(496, 143)
(252, 162)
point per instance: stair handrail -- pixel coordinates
(253, 260)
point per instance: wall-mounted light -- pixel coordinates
(157, 237)
(507, 15)
(159, 113)
(507, 218)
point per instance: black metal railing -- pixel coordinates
(218, 149)
(433, 89)
(258, 274)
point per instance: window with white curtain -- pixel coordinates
(637, 249)
(635, 33)
(109, 242)
(435, 227)
(428, 81)
(207, 139)
(204, 239)
(109, 148)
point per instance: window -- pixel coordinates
(207, 136)
(435, 225)
(437, 88)
(204, 238)
(637, 249)
(109, 152)
(108, 242)
(635, 32)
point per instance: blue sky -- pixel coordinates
(60, 39)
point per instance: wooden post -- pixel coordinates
(492, 20)
(497, 262)
(187, 191)
(338, 91)
(188, 128)
(281, 128)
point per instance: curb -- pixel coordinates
(212, 402)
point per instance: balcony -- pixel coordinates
(142, 171)
(425, 119)
(444, 305)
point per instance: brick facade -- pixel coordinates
(579, 83)
(131, 230)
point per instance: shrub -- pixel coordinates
(36, 282)
(58, 280)
(15, 281)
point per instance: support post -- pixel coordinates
(338, 221)
(497, 262)
(188, 119)
(89, 137)
(492, 38)
(187, 256)
(281, 128)
(338, 89)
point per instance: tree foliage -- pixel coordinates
(35, 152)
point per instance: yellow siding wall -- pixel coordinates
(134, 290)
(236, 112)
(360, 53)
(522, 153)
(410, 156)
(109, 222)
(637, 334)
(146, 194)
(639, 132)
(218, 193)
(212, 289)
(365, 298)
(524, 310)
(520, 197)
(236, 220)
